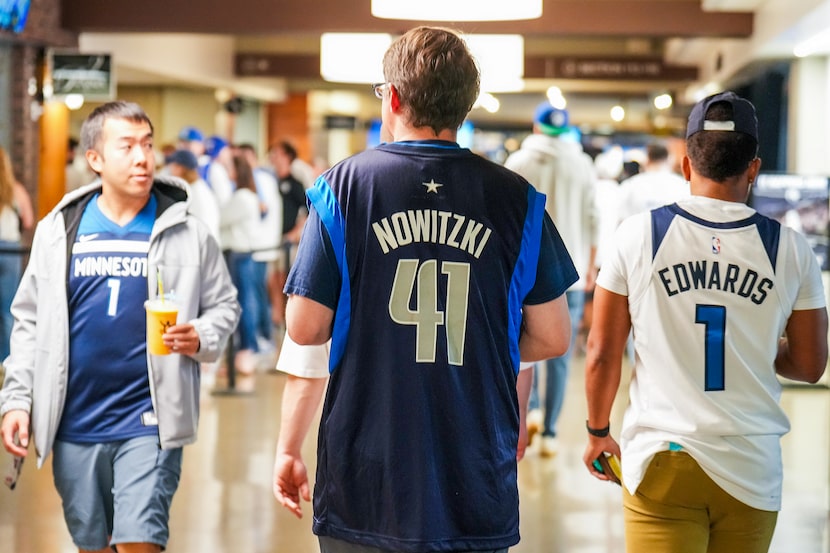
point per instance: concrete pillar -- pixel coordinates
(808, 150)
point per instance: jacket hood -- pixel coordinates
(171, 187)
(548, 145)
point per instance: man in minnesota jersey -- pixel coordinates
(435, 272)
(721, 300)
(115, 417)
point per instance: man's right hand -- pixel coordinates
(291, 482)
(15, 425)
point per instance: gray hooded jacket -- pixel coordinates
(192, 265)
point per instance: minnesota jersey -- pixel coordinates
(108, 391)
(427, 253)
(710, 287)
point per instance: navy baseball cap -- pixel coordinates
(191, 134)
(743, 116)
(185, 158)
(551, 120)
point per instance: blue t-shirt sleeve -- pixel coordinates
(555, 272)
(315, 274)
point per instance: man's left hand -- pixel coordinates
(182, 338)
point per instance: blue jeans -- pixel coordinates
(263, 303)
(9, 280)
(243, 276)
(557, 369)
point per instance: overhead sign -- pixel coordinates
(618, 69)
(87, 74)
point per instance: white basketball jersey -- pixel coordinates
(710, 286)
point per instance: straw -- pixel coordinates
(161, 287)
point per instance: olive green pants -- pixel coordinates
(678, 508)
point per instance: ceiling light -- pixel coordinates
(74, 101)
(663, 101)
(501, 61)
(816, 44)
(617, 113)
(488, 102)
(353, 57)
(457, 10)
(556, 98)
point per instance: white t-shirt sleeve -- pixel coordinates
(304, 361)
(624, 250)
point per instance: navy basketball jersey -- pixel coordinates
(108, 390)
(431, 252)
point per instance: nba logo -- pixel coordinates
(715, 245)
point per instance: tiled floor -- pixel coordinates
(224, 503)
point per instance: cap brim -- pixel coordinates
(552, 131)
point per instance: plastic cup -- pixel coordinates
(161, 315)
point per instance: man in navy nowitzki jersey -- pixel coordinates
(435, 272)
(79, 376)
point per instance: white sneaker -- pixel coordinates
(245, 361)
(534, 424)
(550, 446)
(264, 345)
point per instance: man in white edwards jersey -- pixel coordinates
(434, 271)
(721, 300)
(79, 377)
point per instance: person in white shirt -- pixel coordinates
(218, 169)
(239, 226)
(184, 164)
(721, 300)
(657, 184)
(561, 170)
(267, 242)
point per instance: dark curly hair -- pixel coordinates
(436, 77)
(719, 155)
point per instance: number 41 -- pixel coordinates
(426, 317)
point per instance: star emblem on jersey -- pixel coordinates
(432, 186)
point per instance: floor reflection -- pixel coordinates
(225, 504)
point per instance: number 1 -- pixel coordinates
(713, 317)
(115, 286)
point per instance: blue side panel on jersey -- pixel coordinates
(524, 274)
(661, 219)
(770, 231)
(323, 200)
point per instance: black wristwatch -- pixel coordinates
(598, 432)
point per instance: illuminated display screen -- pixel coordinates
(13, 14)
(800, 202)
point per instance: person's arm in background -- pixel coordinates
(298, 196)
(24, 207)
(802, 354)
(592, 222)
(603, 366)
